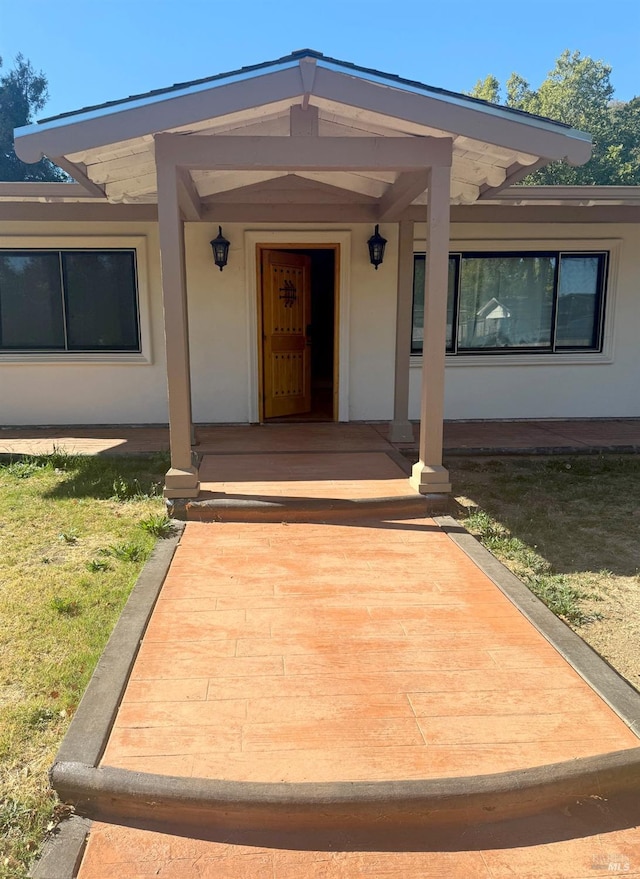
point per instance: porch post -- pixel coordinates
(181, 479)
(400, 429)
(428, 475)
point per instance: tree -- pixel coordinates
(578, 91)
(488, 89)
(23, 92)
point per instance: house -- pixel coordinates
(112, 310)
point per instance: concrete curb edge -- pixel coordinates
(91, 726)
(601, 677)
(205, 808)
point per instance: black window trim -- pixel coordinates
(539, 351)
(66, 351)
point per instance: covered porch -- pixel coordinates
(321, 464)
(299, 154)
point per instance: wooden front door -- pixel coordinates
(286, 318)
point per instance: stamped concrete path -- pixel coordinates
(353, 650)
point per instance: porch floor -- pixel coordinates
(308, 475)
(506, 437)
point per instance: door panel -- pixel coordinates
(286, 316)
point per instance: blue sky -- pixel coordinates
(101, 50)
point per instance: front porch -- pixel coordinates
(306, 484)
(314, 471)
(527, 437)
(294, 154)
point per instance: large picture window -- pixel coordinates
(550, 301)
(68, 301)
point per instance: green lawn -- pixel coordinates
(568, 526)
(74, 534)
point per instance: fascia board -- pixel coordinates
(569, 195)
(23, 191)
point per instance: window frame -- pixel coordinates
(536, 356)
(137, 245)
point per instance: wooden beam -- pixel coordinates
(182, 479)
(400, 194)
(512, 175)
(428, 474)
(303, 154)
(308, 74)
(479, 173)
(534, 213)
(79, 173)
(463, 192)
(190, 203)
(290, 213)
(44, 191)
(303, 122)
(85, 212)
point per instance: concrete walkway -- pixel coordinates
(330, 655)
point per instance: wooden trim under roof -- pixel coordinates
(521, 204)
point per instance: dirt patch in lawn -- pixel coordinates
(568, 526)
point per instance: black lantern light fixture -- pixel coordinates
(220, 247)
(376, 248)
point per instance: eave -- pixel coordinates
(110, 149)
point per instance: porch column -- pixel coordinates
(400, 429)
(428, 475)
(181, 479)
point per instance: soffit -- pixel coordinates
(127, 170)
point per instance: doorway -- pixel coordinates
(298, 351)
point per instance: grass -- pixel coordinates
(74, 534)
(567, 526)
(563, 597)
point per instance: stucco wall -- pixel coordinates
(217, 327)
(46, 390)
(222, 334)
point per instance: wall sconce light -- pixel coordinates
(376, 248)
(220, 247)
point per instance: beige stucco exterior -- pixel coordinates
(124, 389)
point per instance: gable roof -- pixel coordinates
(292, 58)
(109, 148)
